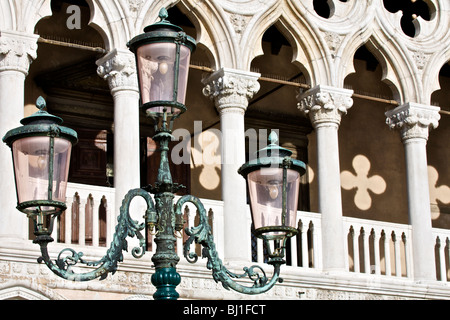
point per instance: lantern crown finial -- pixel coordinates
(41, 115)
(163, 23)
(40, 103)
(273, 148)
(273, 138)
(163, 14)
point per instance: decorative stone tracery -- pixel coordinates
(119, 69)
(17, 51)
(325, 104)
(413, 120)
(231, 89)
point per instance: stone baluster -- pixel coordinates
(398, 263)
(17, 51)
(325, 107)
(387, 253)
(231, 90)
(414, 121)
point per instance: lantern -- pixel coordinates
(273, 180)
(41, 157)
(162, 59)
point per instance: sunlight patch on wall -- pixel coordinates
(362, 183)
(438, 194)
(207, 157)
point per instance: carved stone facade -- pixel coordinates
(231, 89)
(17, 51)
(414, 121)
(325, 104)
(31, 281)
(119, 69)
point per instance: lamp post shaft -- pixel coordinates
(165, 278)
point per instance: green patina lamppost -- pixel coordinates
(41, 156)
(273, 180)
(42, 148)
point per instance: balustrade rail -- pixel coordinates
(87, 220)
(442, 251)
(373, 247)
(380, 248)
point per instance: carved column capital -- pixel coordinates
(324, 104)
(231, 89)
(119, 68)
(17, 50)
(414, 120)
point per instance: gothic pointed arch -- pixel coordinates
(412, 59)
(204, 53)
(23, 18)
(113, 20)
(397, 72)
(307, 51)
(391, 73)
(212, 29)
(432, 71)
(336, 35)
(107, 17)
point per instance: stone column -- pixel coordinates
(231, 90)
(119, 68)
(325, 107)
(414, 121)
(17, 51)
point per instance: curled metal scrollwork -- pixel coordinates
(126, 227)
(202, 235)
(259, 278)
(66, 262)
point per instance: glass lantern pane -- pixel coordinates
(31, 163)
(61, 165)
(185, 56)
(293, 189)
(156, 63)
(265, 188)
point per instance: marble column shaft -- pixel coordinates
(119, 68)
(231, 90)
(325, 107)
(17, 51)
(414, 121)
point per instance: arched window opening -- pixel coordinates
(411, 11)
(275, 107)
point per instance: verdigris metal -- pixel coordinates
(202, 234)
(126, 227)
(41, 124)
(161, 215)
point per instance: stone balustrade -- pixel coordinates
(372, 247)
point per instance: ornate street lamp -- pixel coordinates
(273, 180)
(162, 55)
(41, 157)
(162, 58)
